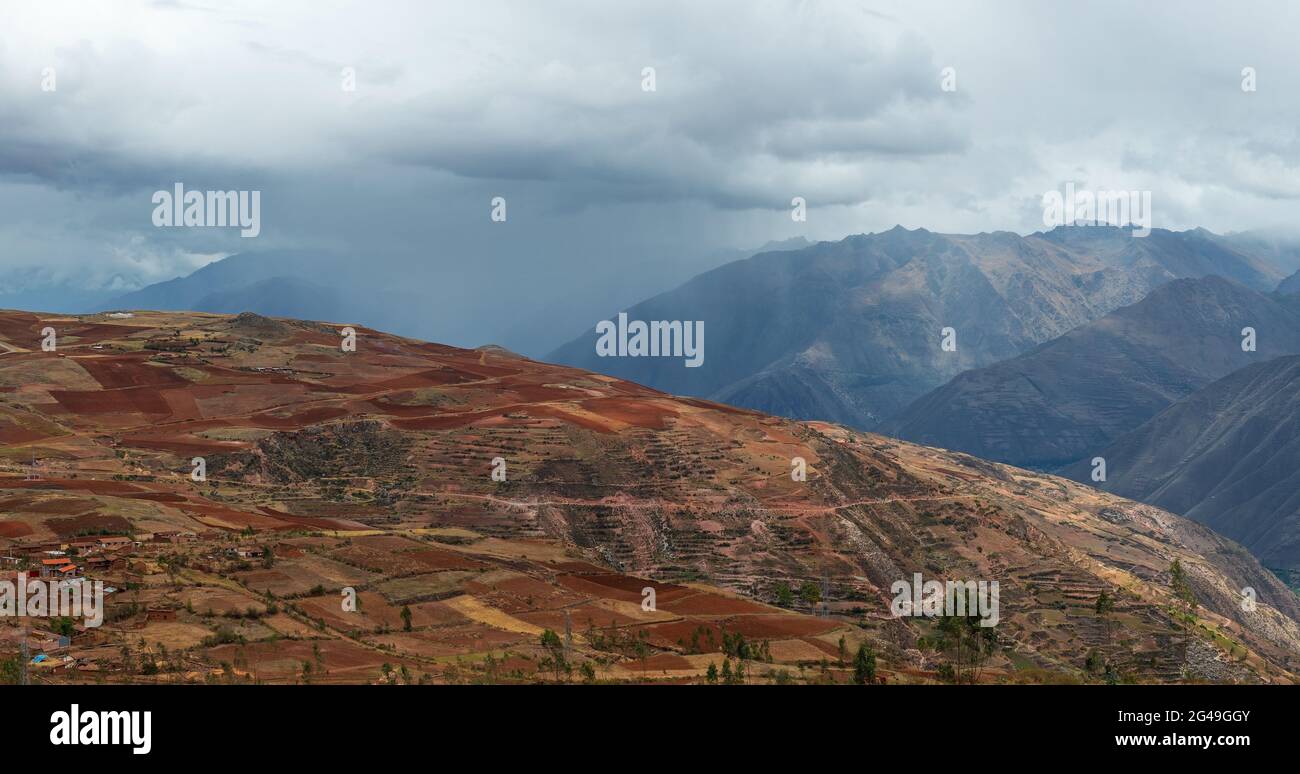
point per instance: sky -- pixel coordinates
(610, 187)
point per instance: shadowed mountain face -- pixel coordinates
(1290, 285)
(1070, 397)
(1226, 456)
(375, 468)
(852, 331)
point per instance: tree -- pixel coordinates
(1105, 606)
(711, 676)
(842, 649)
(406, 618)
(864, 665)
(554, 648)
(810, 593)
(1181, 587)
(784, 596)
(1094, 662)
(10, 671)
(642, 648)
(968, 641)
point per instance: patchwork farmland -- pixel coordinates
(268, 507)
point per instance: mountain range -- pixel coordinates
(327, 285)
(1070, 397)
(853, 331)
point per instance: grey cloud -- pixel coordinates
(541, 103)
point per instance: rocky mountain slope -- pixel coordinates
(1225, 456)
(1070, 397)
(852, 331)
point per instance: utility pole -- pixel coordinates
(23, 656)
(826, 595)
(568, 636)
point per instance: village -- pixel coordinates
(123, 565)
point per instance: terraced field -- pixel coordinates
(371, 473)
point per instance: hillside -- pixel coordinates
(1070, 397)
(1225, 456)
(373, 470)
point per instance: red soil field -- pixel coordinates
(20, 328)
(228, 518)
(666, 635)
(143, 400)
(775, 627)
(183, 448)
(182, 404)
(711, 604)
(539, 392)
(65, 506)
(72, 484)
(581, 616)
(384, 542)
(14, 529)
(283, 658)
(622, 587)
(400, 410)
(95, 332)
(558, 412)
(438, 559)
(12, 433)
(115, 372)
(632, 412)
(659, 662)
(434, 377)
(311, 521)
(632, 584)
(91, 523)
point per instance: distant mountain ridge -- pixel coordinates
(1290, 285)
(850, 331)
(228, 277)
(323, 285)
(1226, 456)
(304, 284)
(1075, 394)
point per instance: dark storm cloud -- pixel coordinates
(542, 103)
